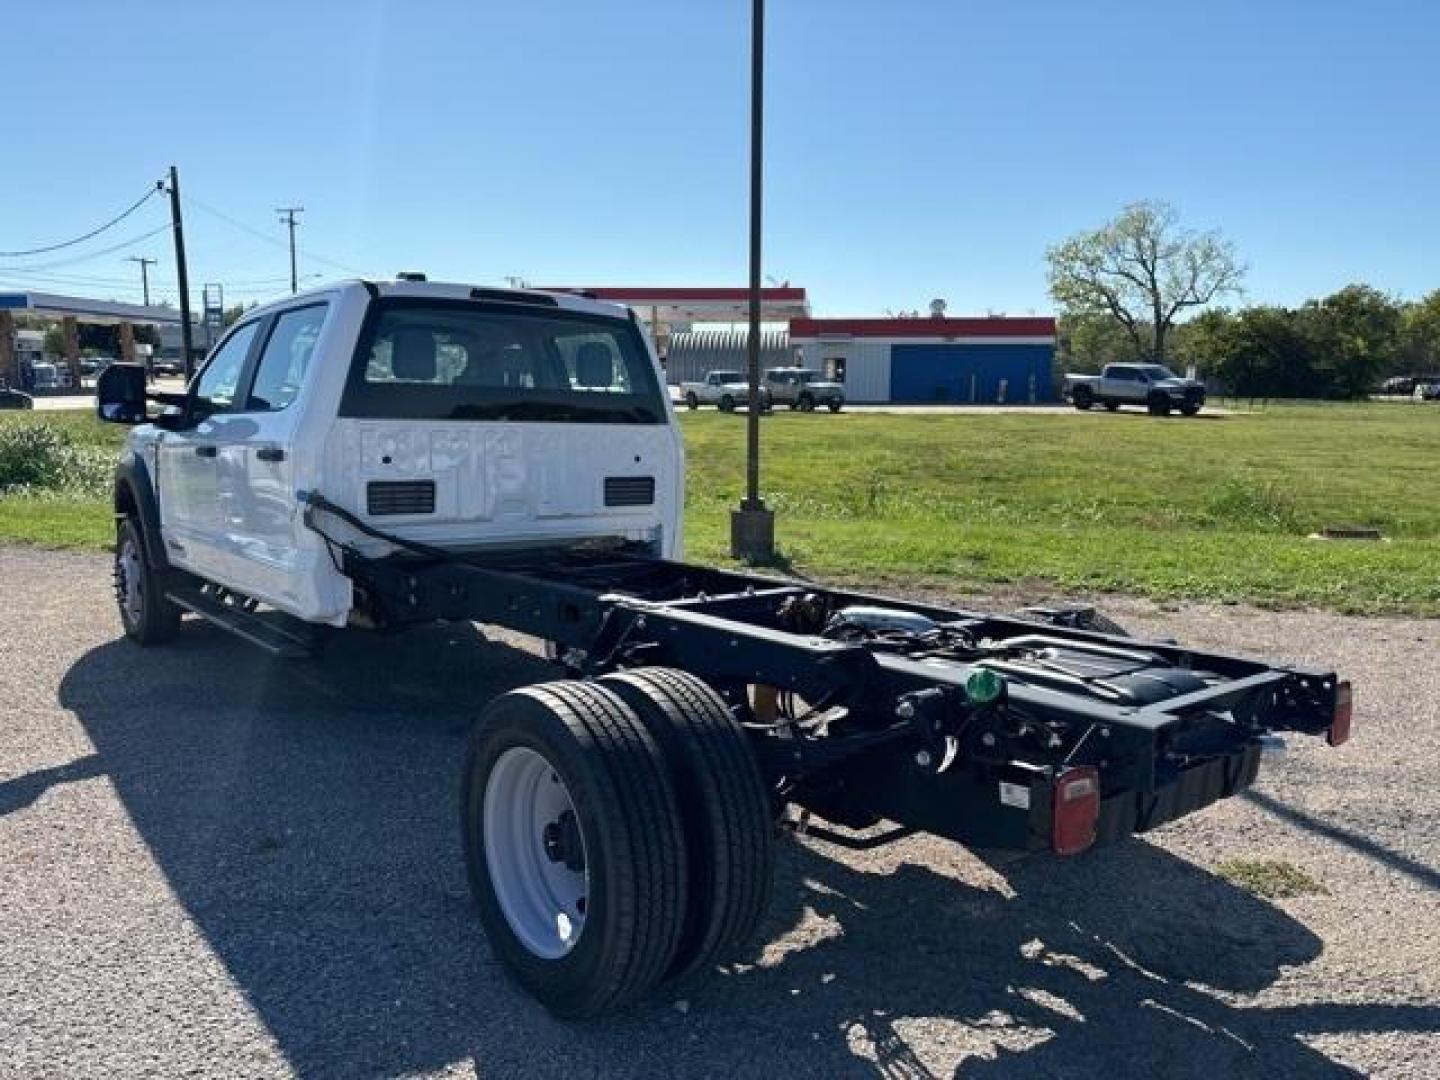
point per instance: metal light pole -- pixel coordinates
(752, 526)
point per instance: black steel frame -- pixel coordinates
(913, 748)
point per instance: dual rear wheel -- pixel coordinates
(617, 833)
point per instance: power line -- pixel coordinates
(192, 201)
(93, 255)
(81, 239)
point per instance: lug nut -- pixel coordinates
(905, 710)
(923, 758)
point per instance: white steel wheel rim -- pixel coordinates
(542, 898)
(131, 600)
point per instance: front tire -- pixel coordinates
(574, 846)
(148, 618)
(691, 401)
(1083, 398)
(835, 404)
(723, 803)
(1113, 406)
(1190, 409)
(727, 404)
(1159, 404)
(806, 403)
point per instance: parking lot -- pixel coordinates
(215, 865)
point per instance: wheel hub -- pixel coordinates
(535, 852)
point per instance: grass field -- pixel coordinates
(1217, 508)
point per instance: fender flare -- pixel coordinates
(132, 479)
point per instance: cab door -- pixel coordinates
(256, 466)
(187, 460)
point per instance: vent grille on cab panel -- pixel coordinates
(400, 497)
(629, 491)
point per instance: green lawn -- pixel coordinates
(1215, 508)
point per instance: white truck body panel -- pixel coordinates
(236, 518)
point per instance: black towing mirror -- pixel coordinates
(120, 394)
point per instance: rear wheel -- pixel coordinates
(727, 404)
(574, 846)
(723, 802)
(148, 618)
(835, 404)
(806, 402)
(1083, 398)
(1190, 408)
(691, 401)
(1112, 405)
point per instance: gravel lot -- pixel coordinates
(214, 865)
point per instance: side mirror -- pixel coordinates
(120, 394)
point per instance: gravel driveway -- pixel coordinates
(216, 865)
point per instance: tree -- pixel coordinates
(1142, 270)
(1420, 335)
(1087, 341)
(1353, 338)
(231, 315)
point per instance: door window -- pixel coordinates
(216, 385)
(286, 358)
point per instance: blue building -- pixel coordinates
(933, 360)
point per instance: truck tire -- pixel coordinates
(148, 618)
(574, 846)
(835, 404)
(806, 402)
(723, 802)
(727, 404)
(1083, 398)
(691, 401)
(1113, 406)
(1190, 408)
(1158, 404)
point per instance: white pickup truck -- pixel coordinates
(385, 455)
(1156, 387)
(723, 389)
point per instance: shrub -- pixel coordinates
(42, 458)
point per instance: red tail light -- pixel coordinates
(1340, 722)
(1075, 809)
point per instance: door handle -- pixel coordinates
(270, 453)
(204, 451)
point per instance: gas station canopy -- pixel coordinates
(701, 305)
(86, 310)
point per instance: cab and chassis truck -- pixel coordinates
(373, 456)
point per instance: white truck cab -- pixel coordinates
(453, 416)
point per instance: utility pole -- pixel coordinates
(180, 272)
(752, 526)
(289, 213)
(144, 277)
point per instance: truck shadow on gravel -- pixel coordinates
(305, 816)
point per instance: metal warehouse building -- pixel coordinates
(932, 360)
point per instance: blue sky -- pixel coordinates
(914, 149)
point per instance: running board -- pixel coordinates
(279, 635)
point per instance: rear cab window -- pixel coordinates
(421, 359)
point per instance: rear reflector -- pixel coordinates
(1340, 722)
(1075, 809)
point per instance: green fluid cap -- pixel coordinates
(982, 686)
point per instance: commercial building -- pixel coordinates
(932, 360)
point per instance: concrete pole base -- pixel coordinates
(752, 532)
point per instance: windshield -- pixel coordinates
(727, 376)
(461, 360)
(1156, 371)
